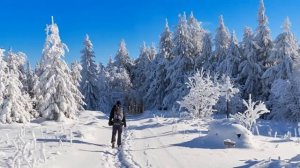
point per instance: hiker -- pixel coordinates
(117, 120)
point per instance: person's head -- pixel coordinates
(118, 103)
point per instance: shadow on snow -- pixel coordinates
(74, 141)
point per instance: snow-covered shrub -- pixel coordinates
(253, 112)
(203, 95)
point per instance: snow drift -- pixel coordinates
(220, 130)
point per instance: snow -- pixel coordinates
(153, 141)
(226, 129)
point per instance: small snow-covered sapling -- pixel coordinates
(33, 139)
(257, 131)
(71, 135)
(275, 134)
(43, 152)
(270, 132)
(298, 128)
(60, 143)
(7, 139)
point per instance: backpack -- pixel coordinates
(118, 114)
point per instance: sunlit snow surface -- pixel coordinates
(149, 141)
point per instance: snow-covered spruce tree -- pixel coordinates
(3, 74)
(15, 106)
(202, 96)
(181, 66)
(244, 44)
(30, 79)
(250, 69)
(122, 58)
(166, 43)
(284, 98)
(76, 77)
(264, 42)
(141, 70)
(253, 112)
(105, 102)
(221, 40)
(262, 37)
(285, 51)
(119, 80)
(15, 63)
(89, 83)
(201, 41)
(230, 65)
(204, 61)
(17, 85)
(197, 34)
(76, 73)
(283, 102)
(151, 77)
(55, 90)
(156, 92)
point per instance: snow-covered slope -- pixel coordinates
(149, 141)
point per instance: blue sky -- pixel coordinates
(107, 22)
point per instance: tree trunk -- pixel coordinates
(227, 108)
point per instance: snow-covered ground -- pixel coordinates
(149, 141)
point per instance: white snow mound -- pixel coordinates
(226, 129)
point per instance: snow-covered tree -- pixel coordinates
(244, 44)
(197, 33)
(76, 73)
(122, 58)
(30, 79)
(253, 112)
(156, 91)
(230, 65)
(119, 79)
(262, 37)
(284, 102)
(55, 90)
(76, 79)
(228, 90)
(142, 69)
(182, 65)
(285, 51)
(89, 83)
(201, 42)
(15, 106)
(284, 98)
(105, 102)
(204, 61)
(150, 74)
(3, 74)
(166, 43)
(250, 69)
(15, 63)
(202, 96)
(221, 40)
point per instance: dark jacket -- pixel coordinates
(111, 116)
